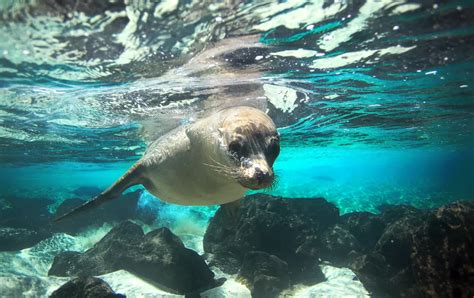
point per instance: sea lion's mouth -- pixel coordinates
(255, 179)
(255, 185)
(255, 173)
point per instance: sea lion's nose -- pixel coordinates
(260, 175)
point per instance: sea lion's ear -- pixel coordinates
(188, 129)
(193, 132)
(221, 131)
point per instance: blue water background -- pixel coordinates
(384, 129)
(355, 179)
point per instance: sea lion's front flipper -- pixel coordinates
(130, 178)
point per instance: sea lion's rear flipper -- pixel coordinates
(130, 178)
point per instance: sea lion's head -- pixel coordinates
(252, 144)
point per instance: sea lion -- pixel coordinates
(213, 161)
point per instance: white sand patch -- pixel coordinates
(341, 282)
(132, 286)
(231, 288)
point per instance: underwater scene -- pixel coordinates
(187, 148)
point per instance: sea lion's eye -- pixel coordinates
(238, 149)
(235, 147)
(273, 149)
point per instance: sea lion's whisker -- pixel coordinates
(212, 166)
(223, 170)
(217, 167)
(275, 182)
(220, 164)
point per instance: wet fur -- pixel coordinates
(191, 165)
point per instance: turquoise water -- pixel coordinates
(373, 100)
(355, 179)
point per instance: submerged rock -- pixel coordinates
(396, 242)
(391, 213)
(276, 226)
(443, 252)
(17, 238)
(266, 275)
(34, 215)
(372, 271)
(118, 210)
(31, 214)
(421, 253)
(365, 226)
(159, 257)
(85, 287)
(336, 244)
(402, 252)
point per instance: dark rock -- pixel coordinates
(391, 213)
(266, 274)
(372, 271)
(443, 256)
(370, 264)
(386, 270)
(396, 242)
(18, 238)
(401, 284)
(365, 226)
(159, 257)
(32, 214)
(421, 253)
(273, 225)
(118, 210)
(336, 244)
(66, 262)
(85, 287)
(306, 262)
(227, 263)
(380, 280)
